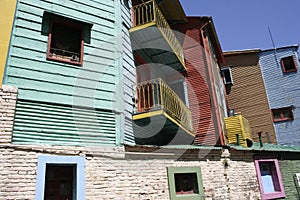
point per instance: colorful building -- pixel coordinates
(248, 93)
(73, 67)
(280, 73)
(101, 103)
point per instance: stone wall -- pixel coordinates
(8, 98)
(138, 173)
(132, 173)
(288, 170)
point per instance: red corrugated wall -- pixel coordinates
(197, 83)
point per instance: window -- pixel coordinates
(185, 183)
(282, 114)
(269, 179)
(60, 182)
(227, 75)
(60, 177)
(288, 64)
(65, 42)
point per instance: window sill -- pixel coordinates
(282, 120)
(64, 61)
(273, 195)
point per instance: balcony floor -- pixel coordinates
(149, 42)
(158, 128)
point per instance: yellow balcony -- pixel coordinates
(153, 39)
(160, 116)
(238, 131)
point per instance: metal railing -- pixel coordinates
(157, 95)
(149, 12)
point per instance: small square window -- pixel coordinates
(65, 42)
(269, 179)
(288, 64)
(185, 183)
(282, 114)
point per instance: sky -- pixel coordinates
(243, 24)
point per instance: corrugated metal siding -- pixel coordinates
(238, 125)
(283, 90)
(42, 80)
(129, 72)
(44, 123)
(198, 92)
(248, 94)
(103, 82)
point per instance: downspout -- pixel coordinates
(211, 88)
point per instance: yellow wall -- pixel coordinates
(7, 12)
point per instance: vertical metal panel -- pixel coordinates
(7, 10)
(129, 72)
(282, 91)
(197, 84)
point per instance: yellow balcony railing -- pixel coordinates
(157, 95)
(149, 12)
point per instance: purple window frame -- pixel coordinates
(278, 183)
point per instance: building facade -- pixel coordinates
(280, 73)
(248, 94)
(101, 103)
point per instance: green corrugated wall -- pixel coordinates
(49, 90)
(44, 123)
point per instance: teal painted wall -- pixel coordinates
(97, 85)
(288, 169)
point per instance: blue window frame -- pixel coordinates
(78, 162)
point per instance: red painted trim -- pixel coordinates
(282, 64)
(282, 118)
(215, 108)
(50, 39)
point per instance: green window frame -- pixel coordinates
(189, 172)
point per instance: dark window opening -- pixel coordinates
(288, 64)
(60, 182)
(65, 43)
(227, 75)
(186, 183)
(282, 114)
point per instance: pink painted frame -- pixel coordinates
(273, 195)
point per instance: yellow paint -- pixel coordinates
(161, 112)
(141, 27)
(179, 125)
(7, 12)
(147, 115)
(238, 125)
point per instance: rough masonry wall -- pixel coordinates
(8, 98)
(288, 170)
(112, 173)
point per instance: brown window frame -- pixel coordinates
(282, 118)
(50, 39)
(283, 60)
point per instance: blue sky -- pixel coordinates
(243, 24)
